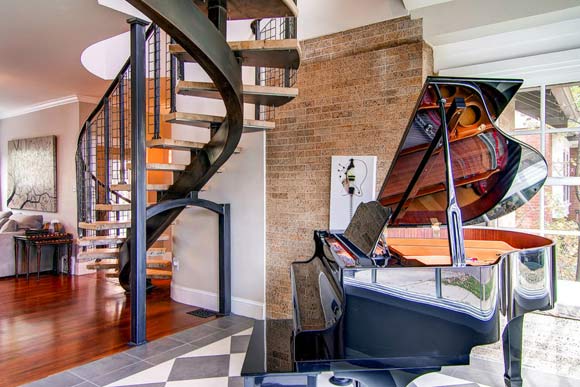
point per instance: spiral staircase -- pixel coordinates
(194, 31)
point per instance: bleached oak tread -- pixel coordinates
(194, 119)
(280, 53)
(104, 264)
(162, 167)
(104, 225)
(158, 263)
(156, 251)
(262, 95)
(100, 240)
(113, 207)
(151, 274)
(91, 254)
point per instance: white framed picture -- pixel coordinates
(352, 181)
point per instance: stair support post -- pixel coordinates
(138, 251)
(172, 81)
(122, 179)
(156, 81)
(225, 266)
(107, 146)
(257, 32)
(217, 12)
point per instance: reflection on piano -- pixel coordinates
(407, 289)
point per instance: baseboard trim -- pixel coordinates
(209, 300)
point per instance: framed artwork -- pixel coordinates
(352, 182)
(32, 174)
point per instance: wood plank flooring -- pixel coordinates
(60, 322)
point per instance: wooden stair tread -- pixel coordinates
(104, 225)
(257, 53)
(150, 187)
(120, 187)
(163, 238)
(158, 274)
(195, 119)
(104, 264)
(158, 263)
(256, 9)
(263, 95)
(156, 251)
(91, 254)
(170, 143)
(100, 240)
(162, 166)
(151, 274)
(113, 207)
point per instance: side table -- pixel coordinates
(55, 240)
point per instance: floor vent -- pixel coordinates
(202, 313)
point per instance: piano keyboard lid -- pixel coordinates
(493, 174)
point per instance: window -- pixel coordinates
(548, 119)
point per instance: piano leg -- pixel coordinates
(512, 352)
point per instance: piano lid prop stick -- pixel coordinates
(454, 220)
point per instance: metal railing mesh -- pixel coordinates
(274, 29)
(104, 147)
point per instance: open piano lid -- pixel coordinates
(493, 173)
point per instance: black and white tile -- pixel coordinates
(215, 365)
(212, 355)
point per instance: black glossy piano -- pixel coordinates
(413, 284)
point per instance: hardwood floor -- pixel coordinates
(60, 322)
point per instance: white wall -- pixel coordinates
(242, 184)
(62, 121)
(324, 17)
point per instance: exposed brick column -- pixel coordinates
(357, 91)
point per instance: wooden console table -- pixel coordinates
(55, 240)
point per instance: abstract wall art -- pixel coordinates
(32, 174)
(352, 182)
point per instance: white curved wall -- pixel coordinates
(105, 58)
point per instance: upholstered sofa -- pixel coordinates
(16, 224)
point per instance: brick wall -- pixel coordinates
(357, 91)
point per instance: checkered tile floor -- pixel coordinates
(216, 365)
(212, 354)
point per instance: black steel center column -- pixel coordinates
(217, 12)
(138, 184)
(225, 259)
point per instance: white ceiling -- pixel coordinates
(471, 32)
(41, 42)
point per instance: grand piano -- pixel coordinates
(413, 284)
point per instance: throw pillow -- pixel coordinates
(5, 214)
(10, 226)
(28, 221)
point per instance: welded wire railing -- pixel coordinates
(104, 145)
(274, 29)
